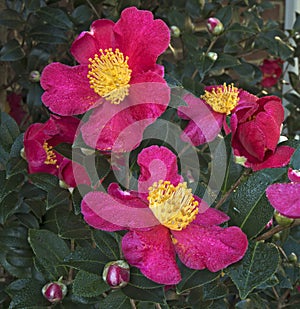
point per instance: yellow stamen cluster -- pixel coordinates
(109, 75)
(222, 99)
(174, 207)
(51, 157)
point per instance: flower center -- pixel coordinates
(222, 99)
(109, 75)
(174, 207)
(51, 156)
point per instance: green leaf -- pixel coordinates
(50, 251)
(88, 259)
(82, 14)
(295, 160)
(11, 19)
(116, 300)
(107, 244)
(26, 293)
(294, 79)
(215, 290)
(249, 207)
(89, 285)
(56, 196)
(78, 193)
(258, 265)
(11, 51)
(138, 280)
(15, 252)
(55, 17)
(192, 278)
(34, 94)
(48, 34)
(8, 206)
(9, 131)
(225, 61)
(156, 295)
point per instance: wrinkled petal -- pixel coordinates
(73, 174)
(285, 198)
(210, 247)
(210, 216)
(153, 253)
(141, 38)
(273, 107)
(157, 163)
(87, 44)
(67, 89)
(105, 212)
(280, 158)
(294, 175)
(120, 127)
(204, 125)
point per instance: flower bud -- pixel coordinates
(213, 56)
(214, 26)
(54, 291)
(282, 220)
(34, 76)
(116, 274)
(22, 153)
(175, 32)
(293, 258)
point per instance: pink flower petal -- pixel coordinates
(87, 44)
(141, 38)
(205, 124)
(285, 198)
(120, 127)
(210, 247)
(105, 212)
(273, 107)
(67, 89)
(153, 253)
(210, 216)
(280, 158)
(157, 163)
(294, 175)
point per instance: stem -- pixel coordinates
(132, 303)
(277, 229)
(225, 196)
(93, 8)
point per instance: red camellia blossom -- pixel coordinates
(39, 140)
(272, 70)
(285, 197)
(255, 133)
(207, 114)
(16, 108)
(117, 77)
(163, 219)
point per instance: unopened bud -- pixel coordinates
(175, 32)
(63, 185)
(34, 76)
(282, 220)
(54, 292)
(293, 258)
(214, 26)
(116, 274)
(22, 153)
(213, 56)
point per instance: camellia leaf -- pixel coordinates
(11, 51)
(258, 265)
(55, 17)
(295, 160)
(50, 251)
(192, 278)
(249, 208)
(89, 285)
(11, 19)
(116, 300)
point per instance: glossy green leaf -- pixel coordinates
(249, 207)
(11, 51)
(107, 244)
(9, 131)
(50, 251)
(33, 98)
(116, 300)
(154, 295)
(82, 14)
(295, 160)
(192, 278)
(11, 19)
(78, 193)
(26, 293)
(88, 259)
(89, 285)
(257, 266)
(214, 290)
(55, 16)
(48, 34)
(15, 252)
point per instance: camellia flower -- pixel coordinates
(39, 141)
(164, 218)
(207, 114)
(272, 70)
(285, 197)
(117, 72)
(255, 133)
